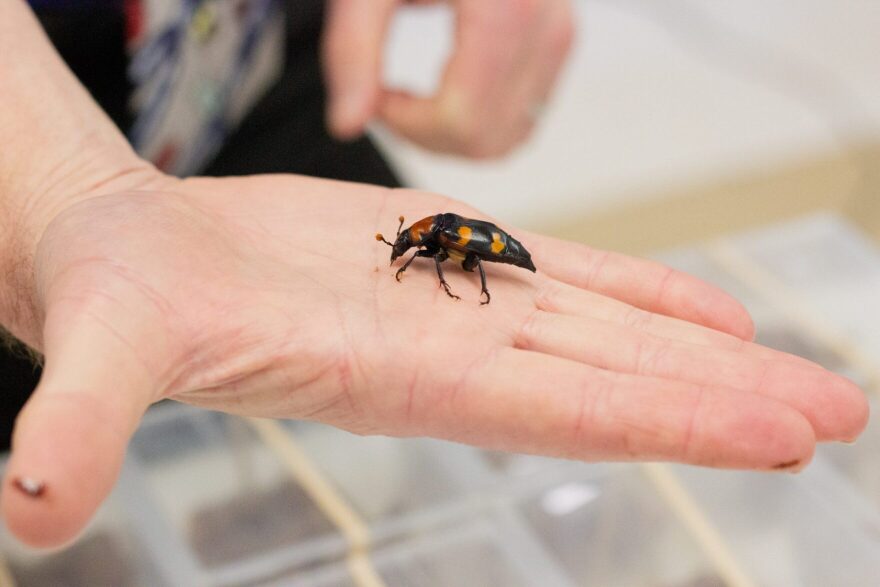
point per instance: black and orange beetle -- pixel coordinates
(465, 241)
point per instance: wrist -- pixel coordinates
(30, 201)
(57, 149)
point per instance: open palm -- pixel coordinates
(268, 296)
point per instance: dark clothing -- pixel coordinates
(284, 132)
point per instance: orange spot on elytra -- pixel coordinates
(464, 235)
(497, 245)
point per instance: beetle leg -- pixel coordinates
(405, 265)
(483, 283)
(437, 260)
(411, 259)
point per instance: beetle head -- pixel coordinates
(401, 245)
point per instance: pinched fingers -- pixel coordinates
(506, 60)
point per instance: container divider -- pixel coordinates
(325, 496)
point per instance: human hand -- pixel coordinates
(506, 59)
(268, 296)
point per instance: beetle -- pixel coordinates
(465, 241)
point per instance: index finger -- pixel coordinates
(353, 43)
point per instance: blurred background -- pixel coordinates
(737, 141)
(678, 108)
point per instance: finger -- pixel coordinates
(568, 300)
(70, 439)
(446, 123)
(559, 35)
(642, 283)
(549, 50)
(835, 407)
(354, 39)
(420, 119)
(537, 403)
(472, 113)
(451, 122)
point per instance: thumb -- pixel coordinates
(427, 121)
(354, 39)
(70, 439)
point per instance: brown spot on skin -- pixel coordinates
(497, 245)
(464, 235)
(30, 487)
(787, 465)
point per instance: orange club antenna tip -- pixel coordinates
(381, 239)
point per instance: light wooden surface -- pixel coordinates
(848, 181)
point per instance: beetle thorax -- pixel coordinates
(422, 230)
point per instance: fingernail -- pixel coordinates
(788, 466)
(30, 487)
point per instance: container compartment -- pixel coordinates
(477, 554)
(616, 530)
(228, 497)
(789, 530)
(383, 477)
(830, 265)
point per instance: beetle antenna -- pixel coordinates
(400, 226)
(381, 238)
